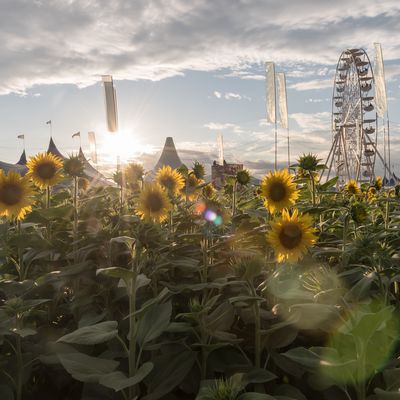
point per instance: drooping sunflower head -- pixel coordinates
(378, 183)
(73, 166)
(170, 179)
(117, 177)
(191, 188)
(133, 173)
(243, 177)
(358, 213)
(83, 184)
(208, 191)
(291, 236)
(45, 169)
(397, 190)
(352, 187)
(15, 195)
(279, 190)
(371, 193)
(153, 203)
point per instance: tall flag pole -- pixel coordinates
(283, 110)
(51, 127)
(78, 134)
(271, 103)
(220, 141)
(23, 139)
(92, 144)
(380, 96)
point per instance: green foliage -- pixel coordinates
(111, 307)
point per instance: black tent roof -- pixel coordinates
(22, 159)
(169, 155)
(53, 149)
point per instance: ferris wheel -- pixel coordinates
(354, 150)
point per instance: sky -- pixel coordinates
(186, 69)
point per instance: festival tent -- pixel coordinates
(169, 155)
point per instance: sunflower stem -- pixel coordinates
(312, 187)
(75, 227)
(234, 193)
(132, 321)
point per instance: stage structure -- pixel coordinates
(356, 135)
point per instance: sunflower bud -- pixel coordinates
(308, 162)
(73, 166)
(243, 177)
(198, 170)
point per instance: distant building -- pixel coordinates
(220, 172)
(169, 155)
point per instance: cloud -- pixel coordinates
(314, 84)
(217, 126)
(231, 96)
(217, 94)
(75, 41)
(313, 122)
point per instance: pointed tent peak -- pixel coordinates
(169, 155)
(81, 153)
(22, 159)
(53, 149)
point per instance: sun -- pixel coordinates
(123, 145)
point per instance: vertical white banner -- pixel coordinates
(220, 142)
(92, 144)
(282, 100)
(270, 89)
(380, 85)
(111, 103)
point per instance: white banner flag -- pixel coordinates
(282, 99)
(270, 87)
(111, 103)
(380, 85)
(92, 144)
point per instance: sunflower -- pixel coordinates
(45, 169)
(352, 187)
(191, 188)
(153, 203)
(170, 179)
(290, 236)
(73, 166)
(243, 177)
(378, 183)
(371, 193)
(15, 195)
(279, 190)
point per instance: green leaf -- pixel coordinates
(304, 357)
(258, 375)
(6, 393)
(386, 395)
(85, 368)
(169, 371)
(154, 322)
(118, 381)
(116, 272)
(94, 334)
(255, 396)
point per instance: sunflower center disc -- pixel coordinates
(155, 202)
(10, 194)
(277, 192)
(46, 171)
(168, 182)
(290, 236)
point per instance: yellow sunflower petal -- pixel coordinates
(153, 203)
(291, 236)
(45, 169)
(15, 195)
(279, 190)
(170, 179)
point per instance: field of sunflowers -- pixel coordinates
(166, 288)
